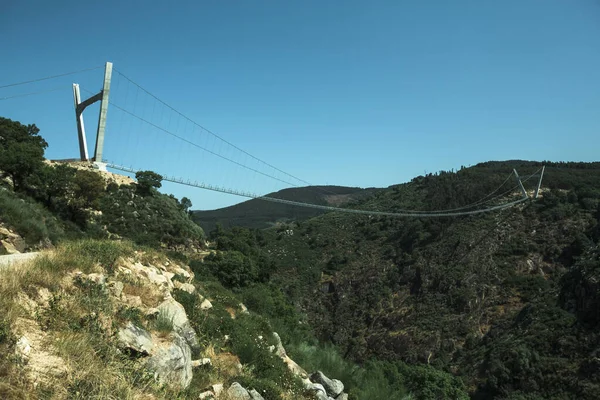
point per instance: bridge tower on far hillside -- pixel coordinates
(103, 97)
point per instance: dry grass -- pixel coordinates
(98, 370)
(71, 317)
(149, 295)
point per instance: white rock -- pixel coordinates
(237, 392)
(217, 388)
(23, 347)
(333, 387)
(206, 305)
(152, 274)
(98, 279)
(186, 287)
(116, 288)
(171, 362)
(135, 338)
(9, 247)
(181, 324)
(206, 395)
(201, 362)
(254, 395)
(319, 390)
(279, 346)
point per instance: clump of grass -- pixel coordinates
(163, 323)
(324, 358)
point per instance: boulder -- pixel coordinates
(186, 287)
(171, 362)
(206, 395)
(152, 274)
(181, 324)
(254, 395)
(9, 247)
(237, 392)
(201, 362)
(279, 350)
(115, 288)
(206, 305)
(333, 387)
(134, 338)
(98, 279)
(217, 388)
(342, 396)
(319, 390)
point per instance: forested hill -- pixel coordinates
(508, 301)
(262, 214)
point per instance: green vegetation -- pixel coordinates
(52, 202)
(259, 214)
(35, 223)
(151, 219)
(507, 301)
(501, 305)
(21, 151)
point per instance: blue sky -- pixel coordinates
(356, 93)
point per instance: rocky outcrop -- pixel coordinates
(171, 361)
(323, 387)
(254, 395)
(136, 339)
(237, 392)
(10, 242)
(176, 313)
(333, 387)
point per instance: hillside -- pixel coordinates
(123, 299)
(499, 305)
(261, 214)
(506, 300)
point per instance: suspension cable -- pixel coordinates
(50, 77)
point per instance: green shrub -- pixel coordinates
(29, 219)
(232, 268)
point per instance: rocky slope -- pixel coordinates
(102, 319)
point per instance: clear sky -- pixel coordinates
(356, 93)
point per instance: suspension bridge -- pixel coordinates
(138, 131)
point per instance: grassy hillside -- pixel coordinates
(261, 214)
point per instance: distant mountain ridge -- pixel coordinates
(261, 214)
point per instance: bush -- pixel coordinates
(233, 269)
(152, 220)
(29, 219)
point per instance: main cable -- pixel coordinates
(33, 93)
(329, 208)
(197, 145)
(211, 132)
(50, 77)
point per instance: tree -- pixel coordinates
(21, 151)
(51, 183)
(186, 204)
(147, 180)
(89, 186)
